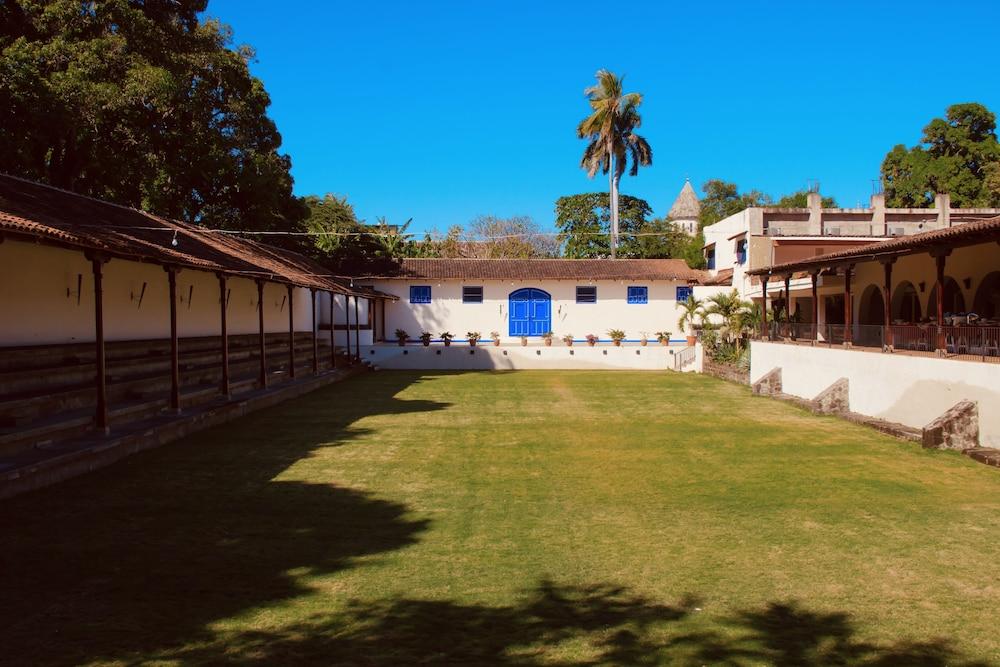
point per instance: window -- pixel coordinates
(638, 294)
(741, 251)
(586, 294)
(710, 257)
(420, 293)
(472, 294)
(683, 292)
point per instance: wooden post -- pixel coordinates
(357, 330)
(291, 334)
(175, 372)
(101, 379)
(312, 293)
(815, 306)
(333, 338)
(942, 343)
(382, 320)
(347, 323)
(887, 340)
(848, 310)
(224, 333)
(788, 305)
(764, 334)
(262, 374)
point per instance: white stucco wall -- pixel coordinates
(910, 390)
(515, 357)
(40, 305)
(446, 312)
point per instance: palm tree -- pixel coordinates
(731, 309)
(691, 310)
(393, 239)
(610, 129)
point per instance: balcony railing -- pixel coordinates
(970, 343)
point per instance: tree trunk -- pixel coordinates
(612, 200)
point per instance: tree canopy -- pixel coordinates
(144, 104)
(723, 199)
(584, 224)
(957, 154)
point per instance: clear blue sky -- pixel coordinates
(442, 111)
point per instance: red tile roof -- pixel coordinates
(723, 277)
(67, 219)
(969, 233)
(547, 269)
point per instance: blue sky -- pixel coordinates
(442, 111)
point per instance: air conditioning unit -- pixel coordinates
(772, 231)
(898, 231)
(833, 231)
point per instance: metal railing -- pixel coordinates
(971, 343)
(684, 358)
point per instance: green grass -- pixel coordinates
(517, 518)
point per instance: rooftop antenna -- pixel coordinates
(812, 185)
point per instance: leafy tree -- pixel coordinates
(731, 311)
(723, 199)
(800, 199)
(610, 131)
(143, 104)
(691, 309)
(519, 237)
(393, 239)
(957, 154)
(330, 217)
(584, 222)
(661, 239)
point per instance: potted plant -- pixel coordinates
(495, 335)
(401, 336)
(591, 340)
(425, 338)
(473, 337)
(547, 337)
(524, 341)
(663, 337)
(568, 339)
(446, 337)
(690, 310)
(616, 336)
(643, 338)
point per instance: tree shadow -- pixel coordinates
(146, 554)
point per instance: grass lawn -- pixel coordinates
(521, 518)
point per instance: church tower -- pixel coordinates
(684, 212)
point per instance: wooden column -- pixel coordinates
(175, 371)
(373, 318)
(382, 320)
(788, 305)
(764, 334)
(939, 258)
(887, 340)
(291, 333)
(262, 373)
(312, 294)
(101, 379)
(333, 338)
(848, 310)
(357, 330)
(347, 323)
(815, 306)
(224, 333)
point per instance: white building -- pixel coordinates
(531, 297)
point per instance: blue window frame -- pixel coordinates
(586, 294)
(710, 257)
(741, 251)
(683, 292)
(472, 294)
(420, 293)
(638, 294)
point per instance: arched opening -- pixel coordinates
(530, 312)
(987, 300)
(870, 317)
(954, 302)
(905, 303)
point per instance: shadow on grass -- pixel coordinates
(147, 554)
(566, 625)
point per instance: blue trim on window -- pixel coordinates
(472, 294)
(683, 292)
(586, 294)
(638, 294)
(420, 293)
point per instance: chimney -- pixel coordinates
(879, 225)
(942, 202)
(815, 202)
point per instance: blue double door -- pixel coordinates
(530, 312)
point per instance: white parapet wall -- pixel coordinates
(515, 357)
(905, 389)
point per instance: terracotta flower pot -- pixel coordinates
(569, 343)
(691, 340)
(427, 343)
(524, 342)
(402, 342)
(591, 343)
(548, 342)
(618, 343)
(447, 343)
(643, 342)
(472, 343)
(496, 343)
(665, 342)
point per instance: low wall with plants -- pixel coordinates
(725, 371)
